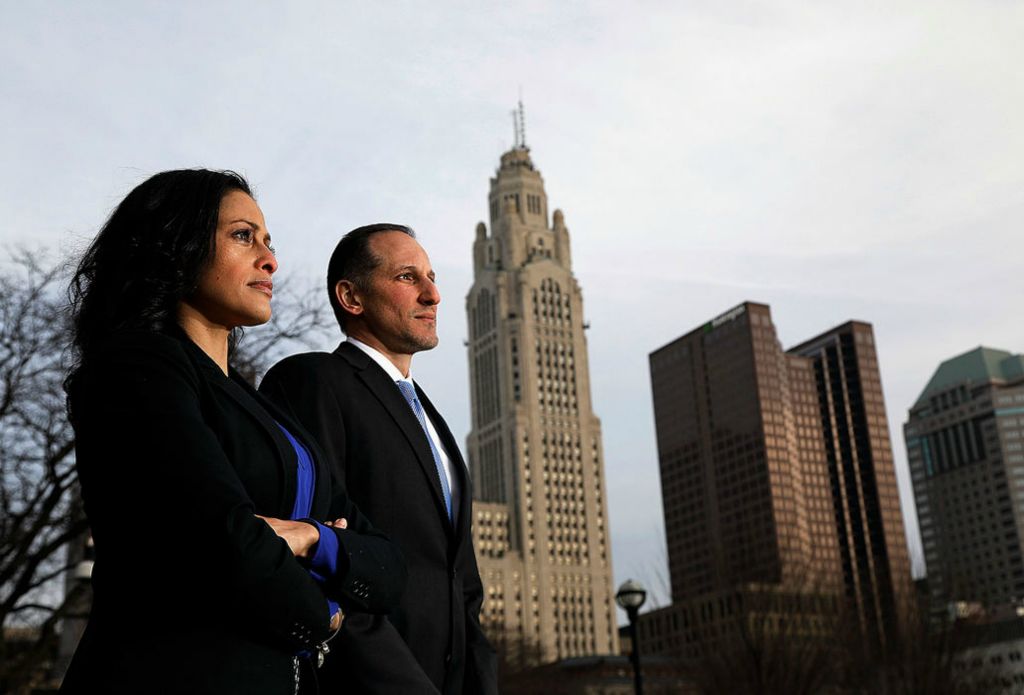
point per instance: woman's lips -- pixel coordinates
(264, 286)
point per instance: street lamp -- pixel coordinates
(630, 596)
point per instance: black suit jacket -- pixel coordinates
(368, 431)
(192, 592)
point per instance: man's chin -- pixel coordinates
(419, 343)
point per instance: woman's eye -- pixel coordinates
(243, 235)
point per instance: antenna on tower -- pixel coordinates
(519, 125)
(522, 122)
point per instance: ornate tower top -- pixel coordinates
(516, 158)
(519, 230)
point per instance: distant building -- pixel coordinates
(778, 485)
(541, 531)
(751, 616)
(965, 447)
(990, 654)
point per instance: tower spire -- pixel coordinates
(522, 124)
(519, 126)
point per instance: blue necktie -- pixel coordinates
(409, 392)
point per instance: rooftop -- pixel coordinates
(979, 366)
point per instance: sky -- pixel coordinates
(834, 160)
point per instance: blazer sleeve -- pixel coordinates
(370, 573)
(140, 428)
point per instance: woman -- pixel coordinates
(210, 573)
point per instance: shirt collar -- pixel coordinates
(379, 358)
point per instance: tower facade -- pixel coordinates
(965, 447)
(535, 451)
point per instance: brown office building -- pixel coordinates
(777, 477)
(965, 447)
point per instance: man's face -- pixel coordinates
(400, 301)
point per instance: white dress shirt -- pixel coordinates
(392, 371)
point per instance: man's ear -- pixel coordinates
(349, 298)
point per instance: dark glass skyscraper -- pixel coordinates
(776, 465)
(858, 450)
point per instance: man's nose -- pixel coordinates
(430, 295)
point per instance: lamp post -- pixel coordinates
(630, 596)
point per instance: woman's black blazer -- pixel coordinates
(192, 592)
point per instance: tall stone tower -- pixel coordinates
(541, 529)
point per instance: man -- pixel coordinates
(399, 463)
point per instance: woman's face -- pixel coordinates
(235, 287)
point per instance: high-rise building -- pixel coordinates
(535, 453)
(865, 495)
(965, 447)
(745, 487)
(777, 475)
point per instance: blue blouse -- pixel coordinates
(324, 562)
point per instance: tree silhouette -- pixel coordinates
(37, 473)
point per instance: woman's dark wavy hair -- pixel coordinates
(148, 256)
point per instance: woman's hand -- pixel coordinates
(337, 523)
(300, 536)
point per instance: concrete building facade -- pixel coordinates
(535, 450)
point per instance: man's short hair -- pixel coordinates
(352, 260)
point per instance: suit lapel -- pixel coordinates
(246, 399)
(384, 390)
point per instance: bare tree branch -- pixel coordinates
(36, 453)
